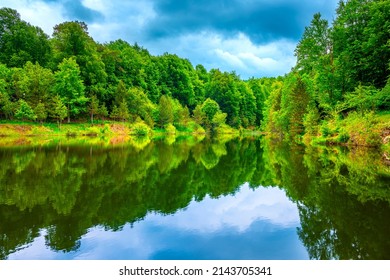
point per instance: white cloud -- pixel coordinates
(239, 212)
(38, 13)
(128, 20)
(206, 218)
(238, 53)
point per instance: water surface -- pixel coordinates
(192, 199)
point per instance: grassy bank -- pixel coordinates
(109, 128)
(357, 129)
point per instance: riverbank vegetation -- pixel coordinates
(337, 93)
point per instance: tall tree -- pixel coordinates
(21, 42)
(71, 39)
(223, 89)
(315, 42)
(93, 107)
(165, 111)
(69, 86)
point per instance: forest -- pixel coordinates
(338, 91)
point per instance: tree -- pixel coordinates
(198, 115)
(33, 83)
(71, 40)
(93, 107)
(315, 42)
(139, 103)
(175, 79)
(210, 108)
(218, 120)
(59, 110)
(297, 107)
(360, 38)
(40, 112)
(25, 111)
(165, 111)
(7, 106)
(103, 112)
(21, 42)
(223, 89)
(69, 86)
(121, 93)
(123, 111)
(247, 105)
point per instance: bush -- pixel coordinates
(140, 129)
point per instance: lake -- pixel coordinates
(189, 198)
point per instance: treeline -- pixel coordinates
(340, 84)
(70, 76)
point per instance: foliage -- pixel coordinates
(69, 86)
(40, 112)
(165, 109)
(25, 112)
(340, 69)
(140, 129)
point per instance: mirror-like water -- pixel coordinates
(193, 199)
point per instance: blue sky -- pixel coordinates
(252, 37)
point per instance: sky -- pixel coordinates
(254, 38)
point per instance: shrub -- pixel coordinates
(140, 129)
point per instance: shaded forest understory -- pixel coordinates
(338, 92)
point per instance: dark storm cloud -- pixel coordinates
(75, 10)
(260, 20)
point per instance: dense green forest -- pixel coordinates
(338, 91)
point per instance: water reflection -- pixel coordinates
(192, 199)
(249, 225)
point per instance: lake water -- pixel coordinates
(191, 198)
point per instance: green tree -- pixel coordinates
(102, 112)
(40, 112)
(69, 86)
(93, 107)
(210, 108)
(248, 106)
(165, 111)
(314, 43)
(7, 106)
(139, 103)
(360, 39)
(33, 83)
(21, 42)
(59, 111)
(121, 93)
(25, 112)
(198, 115)
(223, 89)
(71, 40)
(123, 111)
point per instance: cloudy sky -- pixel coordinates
(252, 37)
